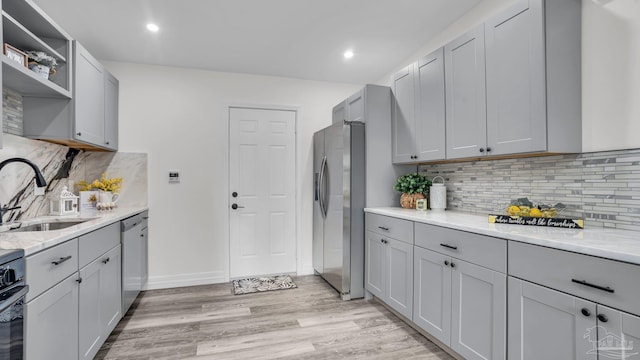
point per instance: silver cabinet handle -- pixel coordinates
(61, 260)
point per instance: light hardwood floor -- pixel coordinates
(310, 322)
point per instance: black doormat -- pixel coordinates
(259, 284)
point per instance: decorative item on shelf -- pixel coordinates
(107, 194)
(438, 194)
(413, 187)
(63, 203)
(15, 54)
(88, 199)
(42, 63)
(523, 211)
(421, 204)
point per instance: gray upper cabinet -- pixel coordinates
(466, 120)
(111, 106)
(339, 112)
(403, 117)
(515, 80)
(355, 107)
(430, 107)
(89, 97)
(88, 121)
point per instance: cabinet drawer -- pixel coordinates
(398, 229)
(481, 250)
(607, 282)
(49, 267)
(98, 242)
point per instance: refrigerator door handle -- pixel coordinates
(323, 187)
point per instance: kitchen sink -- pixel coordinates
(49, 225)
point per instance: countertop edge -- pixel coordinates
(613, 244)
(34, 242)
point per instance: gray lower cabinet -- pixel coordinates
(461, 304)
(389, 271)
(100, 302)
(547, 324)
(52, 323)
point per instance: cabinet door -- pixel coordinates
(432, 293)
(89, 97)
(479, 311)
(111, 103)
(466, 123)
(52, 323)
(100, 302)
(90, 310)
(375, 259)
(403, 117)
(339, 113)
(516, 106)
(355, 107)
(111, 289)
(547, 324)
(618, 334)
(399, 276)
(430, 110)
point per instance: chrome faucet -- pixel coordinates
(40, 181)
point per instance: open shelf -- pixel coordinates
(28, 83)
(20, 37)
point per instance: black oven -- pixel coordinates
(12, 294)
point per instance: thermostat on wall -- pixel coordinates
(174, 177)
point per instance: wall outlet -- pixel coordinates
(38, 191)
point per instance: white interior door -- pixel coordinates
(262, 187)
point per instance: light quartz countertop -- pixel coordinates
(621, 245)
(34, 241)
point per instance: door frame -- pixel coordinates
(297, 180)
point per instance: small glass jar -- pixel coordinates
(421, 204)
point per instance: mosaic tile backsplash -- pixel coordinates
(601, 187)
(12, 112)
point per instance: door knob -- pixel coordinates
(603, 318)
(236, 206)
(585, 312)
(234, 194)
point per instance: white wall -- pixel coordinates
(178, 116)
(610, 70)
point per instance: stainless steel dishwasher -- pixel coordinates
(132, 259)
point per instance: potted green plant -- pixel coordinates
(413, 187)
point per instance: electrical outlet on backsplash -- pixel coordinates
(601, 187)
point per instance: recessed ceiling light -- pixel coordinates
(348, 54)
(152, 27)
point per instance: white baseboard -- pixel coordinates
(306, 269)
(182, 280)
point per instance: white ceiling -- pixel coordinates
(292, 38)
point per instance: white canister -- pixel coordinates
(438, 195)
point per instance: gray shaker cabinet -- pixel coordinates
(533, 78)
(418, 121)
(619, 325)
(403, 117)
(52, 323)
(355, 107)
(389, 271)
(466, 124)
(375, 261)
(100, 303)
(430, 107)
(399, 276)
(89, 97)
(461, 304)
(111, 105)
(432, 293)
(547, 324)
(339, 112)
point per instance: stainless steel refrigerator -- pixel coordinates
(338, 207)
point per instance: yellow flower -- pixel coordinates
(104, 184)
